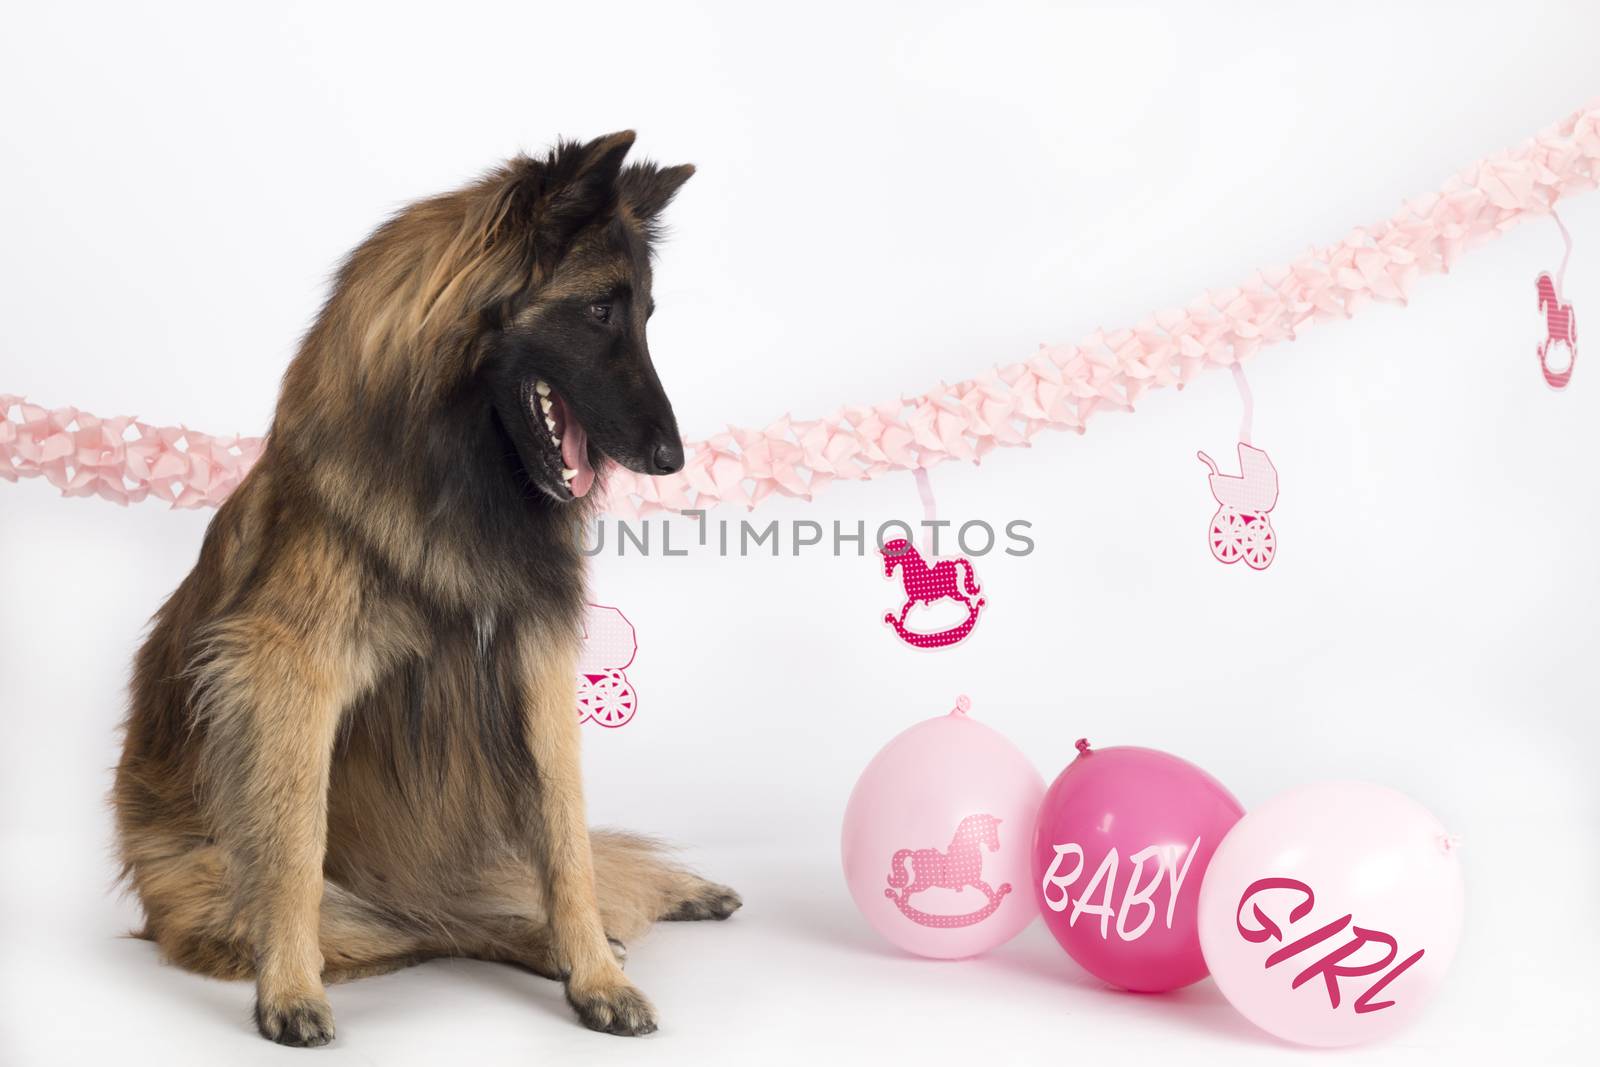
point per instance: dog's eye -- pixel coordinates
(600, 312)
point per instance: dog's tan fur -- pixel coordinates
(353, 743)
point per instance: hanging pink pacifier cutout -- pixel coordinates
(1561, 322)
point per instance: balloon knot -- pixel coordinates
(963, 705)
(1083, 746)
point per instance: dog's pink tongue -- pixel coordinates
(575, 456)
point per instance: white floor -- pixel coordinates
(794, 977)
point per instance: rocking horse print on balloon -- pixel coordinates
(928, 585)
(957, 867)
(605, 695)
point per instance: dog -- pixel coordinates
(353, 742)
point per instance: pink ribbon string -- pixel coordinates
(930, 510)
(1249, 404)
(1561, 275)
(1057, 388)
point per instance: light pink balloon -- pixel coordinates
(1330, 914)
(936, 838)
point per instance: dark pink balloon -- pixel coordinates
(1119, 850)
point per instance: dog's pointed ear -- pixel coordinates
(542, 203)
(647, 189)
(581, 183)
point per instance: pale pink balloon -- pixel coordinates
(1120, 846)
(936, 838)
(1330, 914)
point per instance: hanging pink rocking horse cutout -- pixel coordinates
(957, 867)
(928, 585)
(951, 579)
(1561, 323)
(605, 695)
(1241, 528)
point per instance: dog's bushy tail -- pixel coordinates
(638, 884)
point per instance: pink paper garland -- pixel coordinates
(1059, 388)
(120, 459)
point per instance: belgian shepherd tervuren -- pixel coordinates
(353, 742)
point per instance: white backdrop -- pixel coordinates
(885, 198)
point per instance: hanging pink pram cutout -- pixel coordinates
(1561, 323)
(605, 695)
(1241, 528)
(947, 579)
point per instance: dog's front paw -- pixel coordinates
(304, 1022)
(708, 901)
(615, 1007)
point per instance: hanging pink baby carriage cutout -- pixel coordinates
(928, 585)
(1561, 327)
(609, 645)
(1241, 529)
(960, 865)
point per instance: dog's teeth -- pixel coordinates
(543, 390)
(555, 440)
(550, 424)
(545, 405)
(567, 474)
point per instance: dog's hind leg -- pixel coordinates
(192, 917)
(190, 905)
